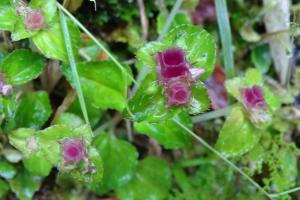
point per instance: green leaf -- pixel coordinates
(233, 87)
(152, 181)
(51, 41)
(48, 8)
(199, 45)
(69, 119)
(168, 133)
(42, 151)
(102, 82)
(283, 169)
(37, 164)
(253, 77)
(200, 101)
(261, 58)
(4, 188)
(93, 113)
(24, 185)
(94, 174)
(33, 110)
(238, 135)
(7, 170)
(113, 152)
(8, 16)
(23, 139)
(272, 101)
(148, 104)
(21, 66)
(179, 19)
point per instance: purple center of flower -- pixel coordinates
(34, 20)
(176, 75)
(253, 98)
(74, 150)
(172, 64)
(178, 93)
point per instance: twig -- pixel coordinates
(129, 130)
(144, 19)
(68, 100)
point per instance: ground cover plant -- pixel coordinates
(149, 100)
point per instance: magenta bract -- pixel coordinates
(172, 64)
(73, 150)
(34, 20)
(253, 98)
(178, 93)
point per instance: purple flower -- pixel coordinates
(73, 150)
(34, 20)
(178, 93)
(253, 98)
(172, 64)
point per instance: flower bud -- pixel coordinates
(172, 64)
(253, 98)
(73, 150)
(34, 20)
(178, 93)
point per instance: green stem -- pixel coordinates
(222, 157)
(212, 115)
(170, 19)
(97, 42)
(72, 62)
(276, 195)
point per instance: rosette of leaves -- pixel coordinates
(250, 117)
(66, 147)
(150, 106)
(18, 68)
(39, 21)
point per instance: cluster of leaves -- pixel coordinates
(34, 126)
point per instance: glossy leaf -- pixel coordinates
(152, 181)
(261, 58)
(148, 104)
(33, 110)
(238, 135)
(21, 66)
(69, 119)
(7, 171)
(4, 188)
(37, 164)
(253, 77)
(199, 101)
(42, 150)
(102, 83)
(24, 185)
(168, 133)
(114, 151)
(8, 16)
(48, 9)
(51, 41)
(179, 19)
(198, 44)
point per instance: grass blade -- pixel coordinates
(226, 39)
(121, 67)
(72, 62)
